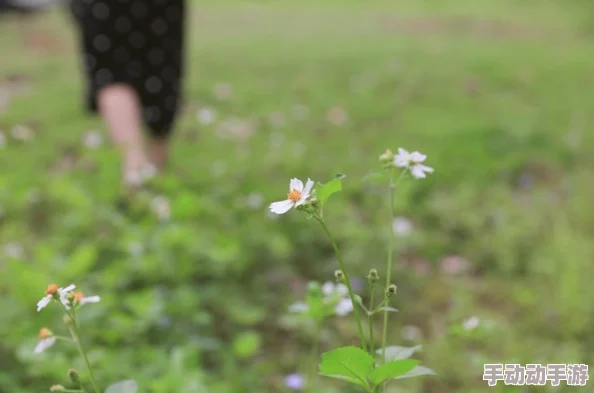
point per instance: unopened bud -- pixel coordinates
(73, 376)
(391, 290)
(387, 157)
(372, 277)
(67, 320)
(45, 333)
(70, 297)
(339, 275)
(57, 389)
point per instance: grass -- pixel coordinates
(497, 94)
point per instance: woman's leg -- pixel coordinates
(120, 108)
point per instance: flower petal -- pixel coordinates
(308, 186)
(342, 289)
(43, 302)
(417, 157)
(296, 184)
(90, 299)
(281, 207)
(344, 307)
(402, 159)
(426, 168)
(69, 288)
(44, 344)
(417, 172)
(328, 288)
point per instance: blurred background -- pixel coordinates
(494, 251)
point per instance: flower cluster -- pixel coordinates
(65, 296)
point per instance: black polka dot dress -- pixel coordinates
(139, 43)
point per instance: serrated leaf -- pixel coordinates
(388, 308)
(125, 386)
(417, 372)
(396, 352)
(392, 370)
(351, 364)
(324, 191)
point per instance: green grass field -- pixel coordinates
(498, 94)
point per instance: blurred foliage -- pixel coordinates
(194, 301)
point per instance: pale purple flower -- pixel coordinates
(295, 381)
(413, 162)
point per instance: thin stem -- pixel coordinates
(75, 332)
(392, 187)
(370, 322)
(388, 268)
(84, 355)
(346, 280)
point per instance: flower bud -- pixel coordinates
(339, 275)
(391, 290)
(57, 389)
(73, 376)
(67, 320)
(70, 297)
(372, 277)
(386, 158)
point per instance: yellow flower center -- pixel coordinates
(78, 296)
(44, 333)
(51, 289)
(294, 195)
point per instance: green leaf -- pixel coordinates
(351, 364)
(392, 370)
(417, 372)
(125, 386)
(247, 344)
(396, 352)
(324, 191)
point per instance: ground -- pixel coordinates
(195, 285)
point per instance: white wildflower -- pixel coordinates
(81, 299)
(206, 116)
(93, 140)
(297, 196)
(401, 226)
(47, 339)
(471, 323)
(53, 290)
(413, 162)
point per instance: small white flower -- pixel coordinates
(401, 226)
(22, 133)
(93, 140)
(206, 116)
(297, 196)
(81, 299)
(298, 308)
(344, 307)
(44, 344)
(471, 323)
(413, 162)
(53, 290)
(161, 208)
(329, 289)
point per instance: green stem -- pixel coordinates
(346, 280)
(76, 336)
(370, 322)
(388, 268)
